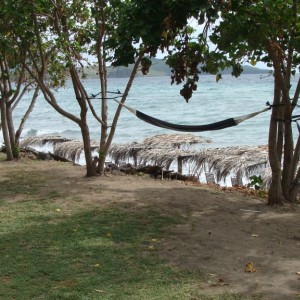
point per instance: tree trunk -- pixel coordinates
(287, 178)
(5, 132)
(11, 130)
(117, 114)
(295, 188)
(90, 169)
(275, 192)
(275, 195)
(25, 117)
(100, 49)
(104, 115)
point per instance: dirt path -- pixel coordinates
(223, 232)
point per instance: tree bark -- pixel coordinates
(101, 23)
(90, 169)
(118, 111)
(11, 130)
(5, 131)
(25, 117)
(275, 192)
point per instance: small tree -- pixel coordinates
(108, 17)
(268, 31)
(60, 34)
(247, 31)
(14, 83)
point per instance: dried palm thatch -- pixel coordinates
(72, 149)
(239, 160)
(42, 140)
(174, 140)
(154, 147)
(125, 151)
(165, 156)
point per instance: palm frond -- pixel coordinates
(174, 140)
(72, 149)
(241, 161)
(164, 156)
(42, 140)
(125, 151)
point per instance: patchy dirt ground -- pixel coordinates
(223, 233)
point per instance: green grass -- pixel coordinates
(85, 252)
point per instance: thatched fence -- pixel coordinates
(163, 150)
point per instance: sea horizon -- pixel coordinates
(155, 96)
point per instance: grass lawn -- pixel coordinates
(84, 251)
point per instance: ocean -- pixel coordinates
(155, 96)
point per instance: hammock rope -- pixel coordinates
(192, 128)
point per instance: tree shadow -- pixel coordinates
(111, 253)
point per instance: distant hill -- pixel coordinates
(159, 68)
(249, 70)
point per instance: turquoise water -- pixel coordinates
(154, 96)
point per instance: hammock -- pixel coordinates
(193, 128)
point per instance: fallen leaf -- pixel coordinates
(250, 268)
(212, 283)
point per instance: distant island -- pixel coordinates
(158, 68)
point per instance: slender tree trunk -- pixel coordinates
(100, 50)
(5, 131)
(295, 188)
(104, 113)
(287, 178)
(275, 194)
(25, 117)
(118, 112)
(90, 168)
(287, 170)
(11, 130)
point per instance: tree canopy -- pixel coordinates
(50, 40)
(231, 33)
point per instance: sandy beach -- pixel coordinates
(237, 241)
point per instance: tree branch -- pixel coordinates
(124, 97)
(27, 113)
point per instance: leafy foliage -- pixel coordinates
(231, 33)
(256, 181)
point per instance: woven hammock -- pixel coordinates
(193, 128)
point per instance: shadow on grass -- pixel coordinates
(90, 255)
(47, 253)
